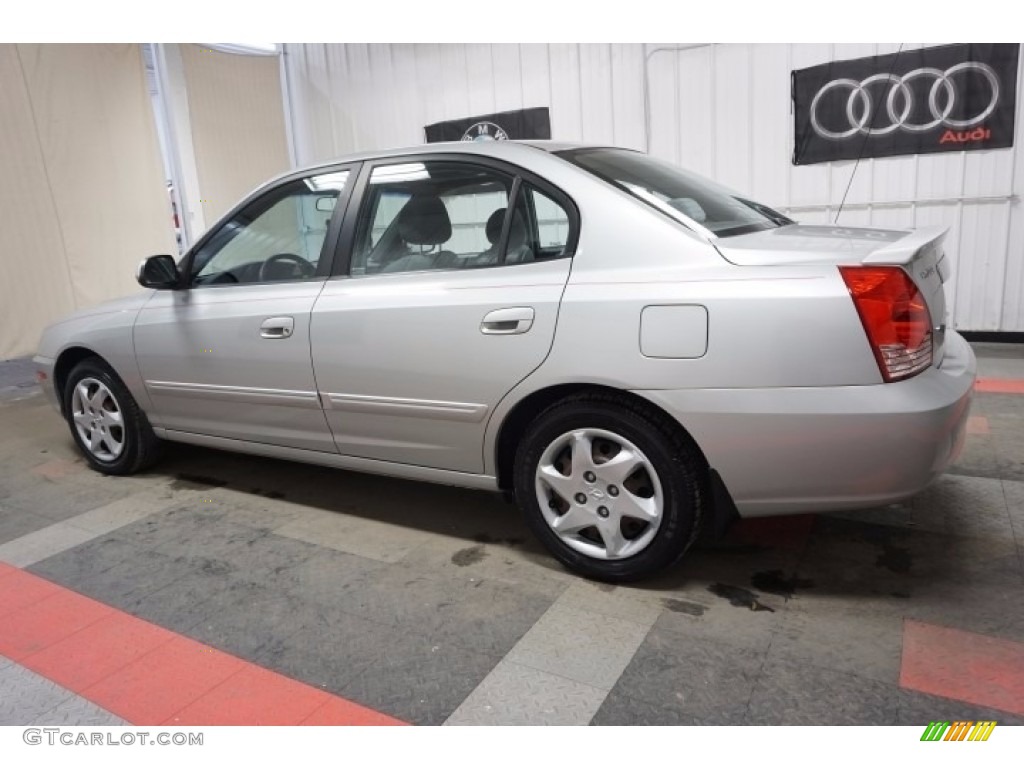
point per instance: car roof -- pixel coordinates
(486, 148)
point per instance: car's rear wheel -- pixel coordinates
(609, 488)
(106, 422)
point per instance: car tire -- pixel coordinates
(106, 423)
(644, 519)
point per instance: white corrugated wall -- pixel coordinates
(722, 110)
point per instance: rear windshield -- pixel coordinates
(676, 192)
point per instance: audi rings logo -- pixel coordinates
(941, 91)
(960, 97)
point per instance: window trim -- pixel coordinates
(531, 202)
(328, 250)
(506, 225)
(342, 262)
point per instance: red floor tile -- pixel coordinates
(341, 712)
(254, 696)
(19, 590)
(982, 670)
(166, 680)
(97, 651)
(147, 674)
(58, 615)
(1001, 386)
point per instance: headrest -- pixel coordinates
(424, 221)
(517, 232)
(493, 229)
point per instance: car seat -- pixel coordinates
(519, 250)
(423, 224)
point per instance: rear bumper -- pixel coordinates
(807, 449)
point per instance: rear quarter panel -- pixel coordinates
(773, 326)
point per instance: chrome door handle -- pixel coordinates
(504, 322)
(277, 327)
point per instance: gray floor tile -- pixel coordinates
(66, 498)
(619, 709)
(183, 603)
(329, 578)
(14, 524)
(1014, 492)
(361, 536)
(328, 648)
(793, 693)
(513, 694)
(972, 506)
(480, 615)
(620, 602)
(85, 561)
(827, 635)
(269, 559)
(915, 708)
(999, 361)
(189, 531)
(245, 619)
(585, 647)
(25, 696)
(126, 511)
(257, 507)
(694, 675)
(514, 560)
(77, 711)
(987, 606)
(123, 583)
(42, 544)
(1007, 428)
(425, 679)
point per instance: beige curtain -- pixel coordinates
(82, 191)
(238, 130)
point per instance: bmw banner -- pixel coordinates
(942, 99)
(518, 124)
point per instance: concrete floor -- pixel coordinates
(434, 605)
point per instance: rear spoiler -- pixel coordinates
(903, 251)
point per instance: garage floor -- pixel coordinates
(221, 588)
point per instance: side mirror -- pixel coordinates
(158, 272)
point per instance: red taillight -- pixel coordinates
(895, 318)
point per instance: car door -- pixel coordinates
(453, 272)
(228, 355)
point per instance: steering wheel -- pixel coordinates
(305, 268)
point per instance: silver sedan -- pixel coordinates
(631, 351)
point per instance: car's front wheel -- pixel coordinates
(106, 422)
(609, 488)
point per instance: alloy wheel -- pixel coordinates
(98, 419)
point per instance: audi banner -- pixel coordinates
(518, 124)
(943, 99)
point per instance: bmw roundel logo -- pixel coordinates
(485, 131)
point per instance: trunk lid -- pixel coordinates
(918, 251)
